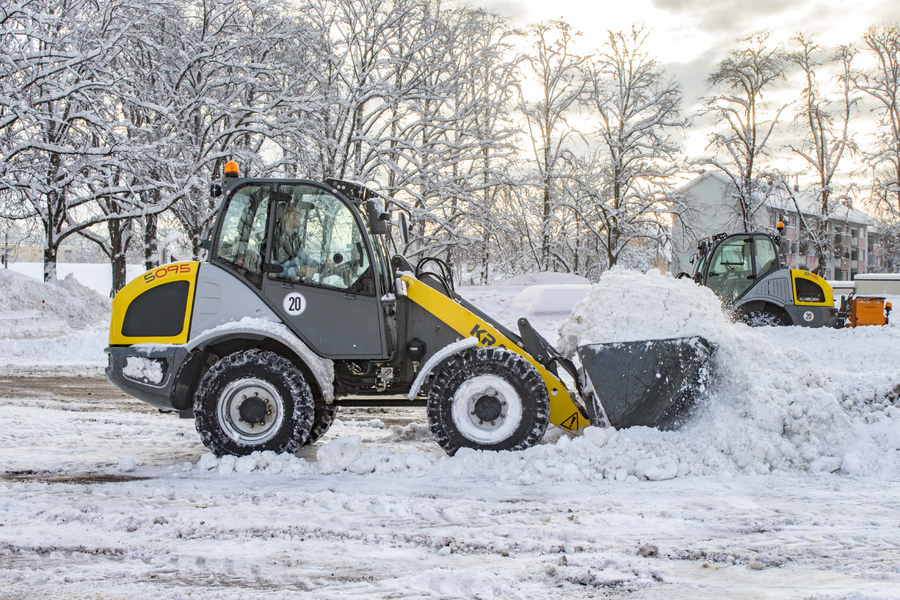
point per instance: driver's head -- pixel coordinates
(292, 219)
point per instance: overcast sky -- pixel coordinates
(689, 37)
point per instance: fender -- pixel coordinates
(437, 358)
(321, 368)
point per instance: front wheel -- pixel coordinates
(253, 400)
(488, 399)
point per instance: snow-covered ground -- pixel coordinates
(782, 484)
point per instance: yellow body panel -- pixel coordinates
(801, 274)
(563, 410)
(181, 271)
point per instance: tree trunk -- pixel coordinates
(151, 243)
(119, 237)
(50, 252)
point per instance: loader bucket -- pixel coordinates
(649, 383)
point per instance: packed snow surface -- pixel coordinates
(792, 456)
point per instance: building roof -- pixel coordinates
(781, 200)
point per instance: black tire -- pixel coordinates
(483, 383)
(251, 385)
(322, 421)
(762, 318)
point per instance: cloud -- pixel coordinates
(515, 10)
(692, 75)
(727, 15)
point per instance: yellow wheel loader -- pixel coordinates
(301, 309)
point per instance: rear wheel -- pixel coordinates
(488, 399)
(253, 400)
(762, 318)
(322, 421)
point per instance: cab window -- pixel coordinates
(731, 269)
(316, 241)
(766, 258)
(241, 240)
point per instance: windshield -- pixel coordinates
(242, 235)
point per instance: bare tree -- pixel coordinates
(557, 72)
(826, 138)
(882, 84)
(224, 90)
(60, 137)
(745, 123)
(638, 110)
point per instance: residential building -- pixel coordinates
(66, 254)
(711, 210)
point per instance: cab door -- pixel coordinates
(731, 270)
(320, 277)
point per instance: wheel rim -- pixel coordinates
(250, 411)
(484, 397)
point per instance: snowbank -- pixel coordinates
(32, 308)
(51, 323)
(546, 278)
(96, 276)
(549, 299)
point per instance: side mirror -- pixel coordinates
(215, 190)
(404, 228)
(377, 221)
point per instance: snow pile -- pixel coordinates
(548, 299)
(629, 306)
(30, 308)
(768, 408)
(548, 278)
(414, 432)
(344, 454)
(143, 369)
(51, 323)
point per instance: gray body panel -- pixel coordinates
(812, 316)
(221, 297)
(335, 324)
(775, 288)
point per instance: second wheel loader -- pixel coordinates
(301, 309)
(745, 272)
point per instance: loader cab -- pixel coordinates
(314, 256)
(731, 265)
